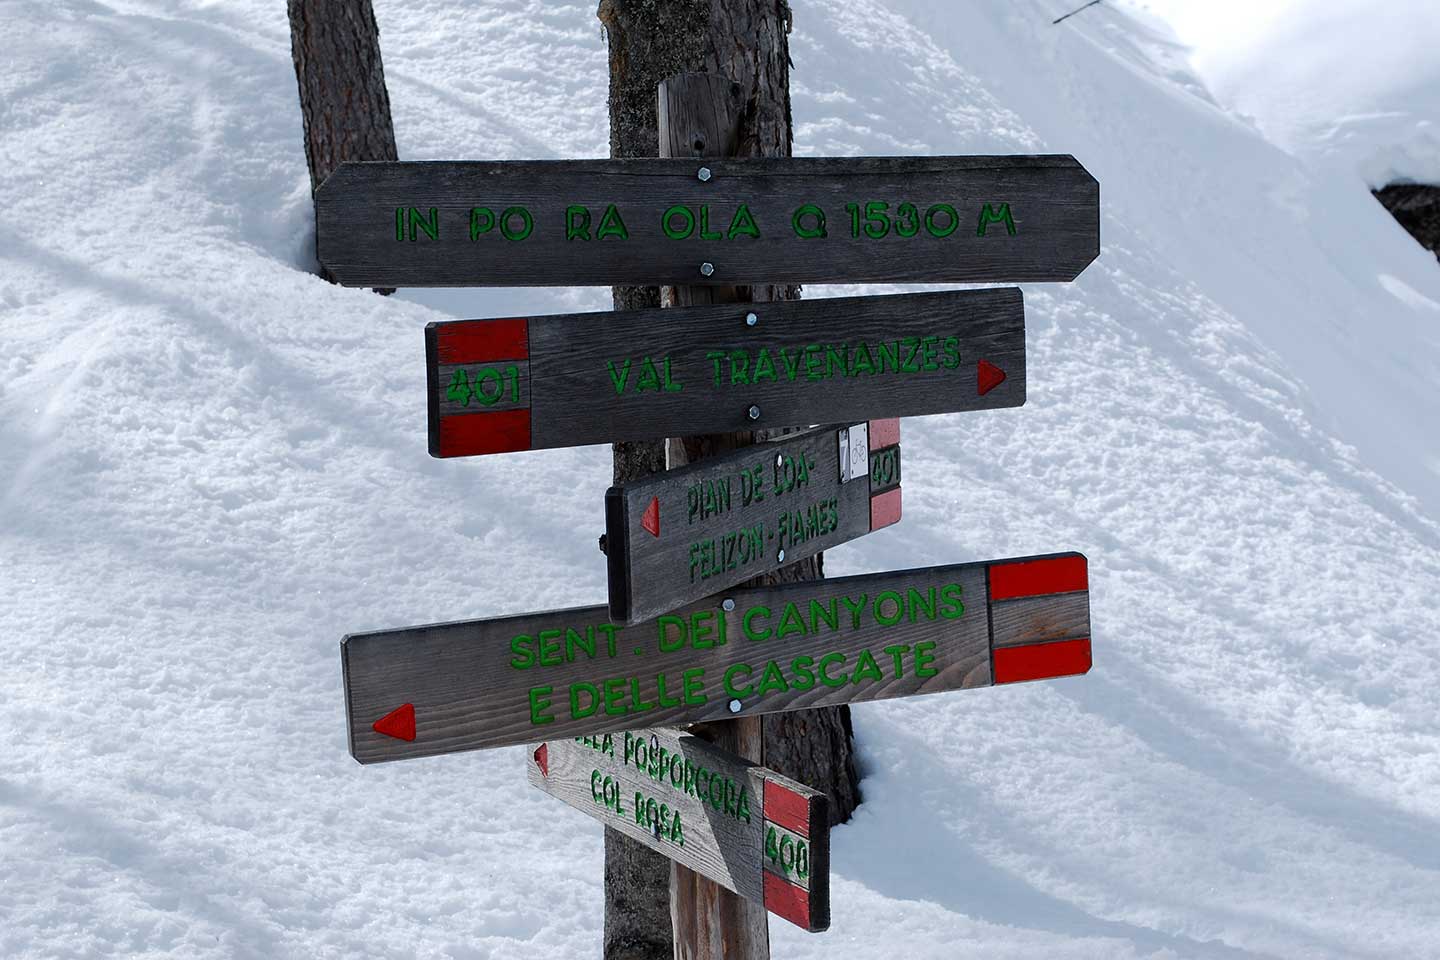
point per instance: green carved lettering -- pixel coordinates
(743, 224)
(897, 652)
(705, 232)
(672, 231)
(539, 703)
(952, 221)
(815, 230)
(527, 223)
(482, 221)
(430, 226)
(989, 215)
(923, 657)
(577, 223)
(619, 377)
(866, 668)
(611, 225)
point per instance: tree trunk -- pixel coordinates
(346, 110)
(743, 45)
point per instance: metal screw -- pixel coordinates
(753, 413)
(734, 706)
(706, 269)
(751, 319)
(780, 556)
(703, 174)
(727, 604)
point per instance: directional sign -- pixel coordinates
(557, 381)
(651, 221)
(682, 535)
(747, 828)
(493, 683)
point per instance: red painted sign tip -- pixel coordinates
(650, 520)
(1042, 661)
(398, 723)
(542, 759)
(988, 376)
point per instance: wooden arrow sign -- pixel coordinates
(751, 830)
(497, 386)
(675, 537)
(511, 680)
(668, 221)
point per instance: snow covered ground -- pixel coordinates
(212, 465)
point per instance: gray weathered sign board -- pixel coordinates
(675, 537)
(497, 386)
(436, 689)
(724, 221)
(749, 829)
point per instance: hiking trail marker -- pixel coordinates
(751, 830)
(675, 537)
(567, 673)
(496, 386)
(1008, 219)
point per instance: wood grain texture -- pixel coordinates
(474, 684)
(717, 797)
(728, 518)
(1059, 616)
(585, 371)
(1053, 206)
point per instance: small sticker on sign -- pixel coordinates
(854, 444)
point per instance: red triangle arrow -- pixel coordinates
(650, 520)
(988, 376)
(398, 723)
(542, 759)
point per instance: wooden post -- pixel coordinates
(346, 110)
(700, 115)
(744, 43)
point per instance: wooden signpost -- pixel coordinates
(678, 536)
(497, 386)
(747, 828)
(681, 641)
(721, 221)
(443, 688)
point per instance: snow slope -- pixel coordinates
(1345, 83)
(212, 465)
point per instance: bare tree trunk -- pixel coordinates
(743, 46)
(336, 48)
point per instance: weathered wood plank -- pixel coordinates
(756, 220)
(497, 386)
(747, 828)
(676, 537)
(509, 680)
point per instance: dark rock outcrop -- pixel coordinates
(1417, 207)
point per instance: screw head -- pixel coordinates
(703, 173)
(753, 413)
(780, 556)
(727, 605)
(751, 319)
(706, 269)
(734, 706)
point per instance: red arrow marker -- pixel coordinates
(988, 376)
(398, 723)
(650, 520)
(542, 759)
